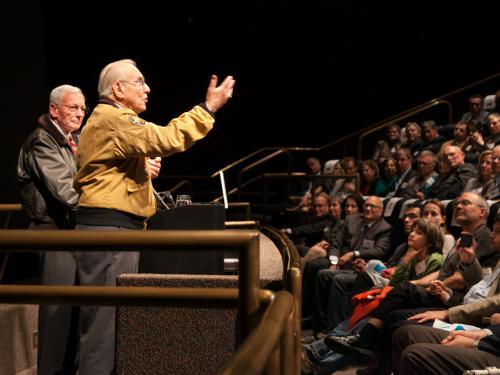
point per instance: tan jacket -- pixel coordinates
(472, 313)
(112, 151)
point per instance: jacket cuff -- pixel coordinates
(204, 106)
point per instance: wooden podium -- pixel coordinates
(193, 217)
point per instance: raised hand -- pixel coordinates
(467, 254)
(217, 96)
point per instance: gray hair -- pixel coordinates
(431, 154)
(111, 73)
(57, 93)
(481, 202)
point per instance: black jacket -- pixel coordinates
(45, 171)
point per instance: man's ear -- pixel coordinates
(117, 90)
(53, 110)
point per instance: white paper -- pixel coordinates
(439, 324)
(224, 194)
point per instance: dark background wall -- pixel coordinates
(306, 73)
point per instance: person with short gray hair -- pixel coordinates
(114, 182)
(45, 171)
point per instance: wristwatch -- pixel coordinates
(475, 344)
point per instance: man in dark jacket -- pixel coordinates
(45, 170)
(452, 184)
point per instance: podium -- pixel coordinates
(193, 217)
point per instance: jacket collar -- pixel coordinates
(104, 100)
(46, 123)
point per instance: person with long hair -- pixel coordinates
(435, 211)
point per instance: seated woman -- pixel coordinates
(435, 211)
(387, 182)
(369, 177)
(422, 258)
(485, 173)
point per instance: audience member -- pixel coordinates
(369, 177)
(419, 186)
(387, 182)
(386, 148)
(305, 236)
(433, 140)
(414, 140)
(491, 190)
(485, 173)
(435, 211)
(352, 205)
(494, 127)
(476, 116)
(405, 172)
(450, 185)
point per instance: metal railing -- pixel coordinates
(270, 345)
(245, 242)
(281, 354)
(402, 116)
(9, 209)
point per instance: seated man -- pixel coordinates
(451, 184)
(441, 352)
(305, 236)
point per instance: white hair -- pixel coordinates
(57, 93)
(111, 73)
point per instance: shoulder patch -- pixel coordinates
(136, 120)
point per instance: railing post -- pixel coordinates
(249, 284)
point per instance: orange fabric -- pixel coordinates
(366, 302)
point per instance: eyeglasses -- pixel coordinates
(465, 202)
(141, 83)
(370, 205)
(74, 108)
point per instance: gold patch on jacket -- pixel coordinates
(136, 120)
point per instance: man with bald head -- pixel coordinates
(364, 236)
(115, 187)
(452, 184)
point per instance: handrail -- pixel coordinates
(245, 158)
(10, 207)
(241, 224)
(113, 296)
(284, 175)
(246, 242)
(264, 160)
(180, 184)
(400, 117)
(255, 352)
